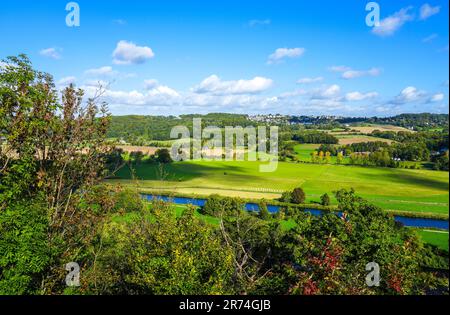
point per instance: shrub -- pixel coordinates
(128, 200)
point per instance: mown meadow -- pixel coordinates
(421, 191)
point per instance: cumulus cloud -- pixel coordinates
(351, 74)
(389, 25)
(282, 53)
(150, 84)
(53, 53)
(127, 53)
(102, 71)
(408, 95)
(309, 80)
(348, 73)
(427, 11)
(339, 68)
(214, 85)
(358, 96)
(437, 97)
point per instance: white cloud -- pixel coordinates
(150, 84)
(437, 97)
(127, 53)
(252, 23)
(358, 96)
(427, 11)
(389, 25)
(309, 80)
(102, 71)
(429, 38)
(66, 81)
(328, 92)
(339, 68)
(408, 95)
(351, 74)
(54, 53)
(348, 73)
(282, 53)
(214, 85)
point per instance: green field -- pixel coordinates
(437, 238)
(392, 189)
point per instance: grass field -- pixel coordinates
(437, 238)
(420, 191)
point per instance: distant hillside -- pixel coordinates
(138, 129)
(135, 128)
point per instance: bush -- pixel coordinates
(128, 200)
(216, 206)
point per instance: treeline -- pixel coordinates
(140, 130)
(425, 146)
(315, 137)
(422, 121)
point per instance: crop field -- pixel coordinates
(345, 139)
(370, 128)
(420, 191)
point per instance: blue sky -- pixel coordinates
(290, 57)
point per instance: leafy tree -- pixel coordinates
(263, 211)
(162, 255)
(163, 156)
(52, 152)
(286, 196)
(298, 196)
(325, 200)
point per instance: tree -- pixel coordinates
(163, 156)
(286, 196)
(320, 156)
(339, 157)
(298, 196)
(55, 151)
(325, 200)
(136, 157)
(165, 255)
(263, 211)
(314, 158)
(327, 157)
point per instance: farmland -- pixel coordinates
(420, 191)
